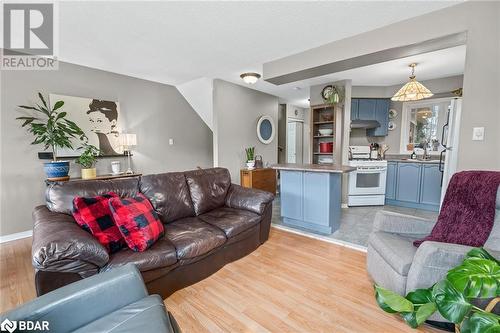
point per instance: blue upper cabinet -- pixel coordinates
(430, 190)
(371, 109)
(366, 109)
(382, 116)
(354, 109)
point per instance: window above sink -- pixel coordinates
(422, 125)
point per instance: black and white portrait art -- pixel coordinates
(99, 120)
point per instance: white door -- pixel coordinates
(294, 142)
(450, 143)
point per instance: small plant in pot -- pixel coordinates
(87, 160)
(250, 151)
(52, 129)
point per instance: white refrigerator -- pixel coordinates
(450, 142)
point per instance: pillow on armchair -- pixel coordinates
(137, 221)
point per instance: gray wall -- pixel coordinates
(481, 102)
(236, 111)
(440, 87)
(155, 112)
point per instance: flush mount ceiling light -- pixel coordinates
(413, 90)
(250, 78)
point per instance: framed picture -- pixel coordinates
(99, 120)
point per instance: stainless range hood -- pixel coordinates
(366, 124)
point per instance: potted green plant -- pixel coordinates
(52, 129)
(87, 160)
(477, 277)
(250, 152)
(334, 95)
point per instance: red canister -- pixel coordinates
(326, 147)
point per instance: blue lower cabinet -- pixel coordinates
(413, 185)
(311, 200)
(390, 188)
(430, 192)
(408, 188)
(316, 190)
(291, 188)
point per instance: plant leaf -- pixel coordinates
(481, 322)
(450, 302)
(58, 105)
(410, 318)
(27, 107)
(480, 252)
(61, 115)
(390, 300)
(42, 99)
(420, 296)
(476, 277)
(424, 312)
(27, 121)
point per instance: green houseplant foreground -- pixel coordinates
(478, 277)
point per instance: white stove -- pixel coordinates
(367, 183)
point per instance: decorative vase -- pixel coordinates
(89, 173)
(251, 164)
(57, 170)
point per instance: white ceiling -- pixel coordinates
(176, 42)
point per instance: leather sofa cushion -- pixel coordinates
(396, 250)
(59, 196)
(161, 254)
(145, 315)
(230, 220)
(208, 188)
(169, 195)
(192, 237)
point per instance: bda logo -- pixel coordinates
(8, 325)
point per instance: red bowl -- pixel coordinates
(326, 147)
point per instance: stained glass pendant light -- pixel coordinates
(413, 90)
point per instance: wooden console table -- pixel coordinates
(99, 177)
(262, 179)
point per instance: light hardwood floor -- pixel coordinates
(290, 284)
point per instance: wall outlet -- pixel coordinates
(478, 134)
(171, 141)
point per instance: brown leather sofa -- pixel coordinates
(208, 222)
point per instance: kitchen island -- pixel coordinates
(311, 195)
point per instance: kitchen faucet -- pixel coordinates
(426, 153)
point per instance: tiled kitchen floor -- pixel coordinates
(356, 222)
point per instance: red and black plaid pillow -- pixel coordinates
(137, 221)
(94, 215)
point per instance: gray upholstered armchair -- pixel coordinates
(395, 264)
(113, 301)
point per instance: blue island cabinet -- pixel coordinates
(311, 200)
(413, 185)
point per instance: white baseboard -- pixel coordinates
(17, 235)
(321, 237)
(344, 205)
